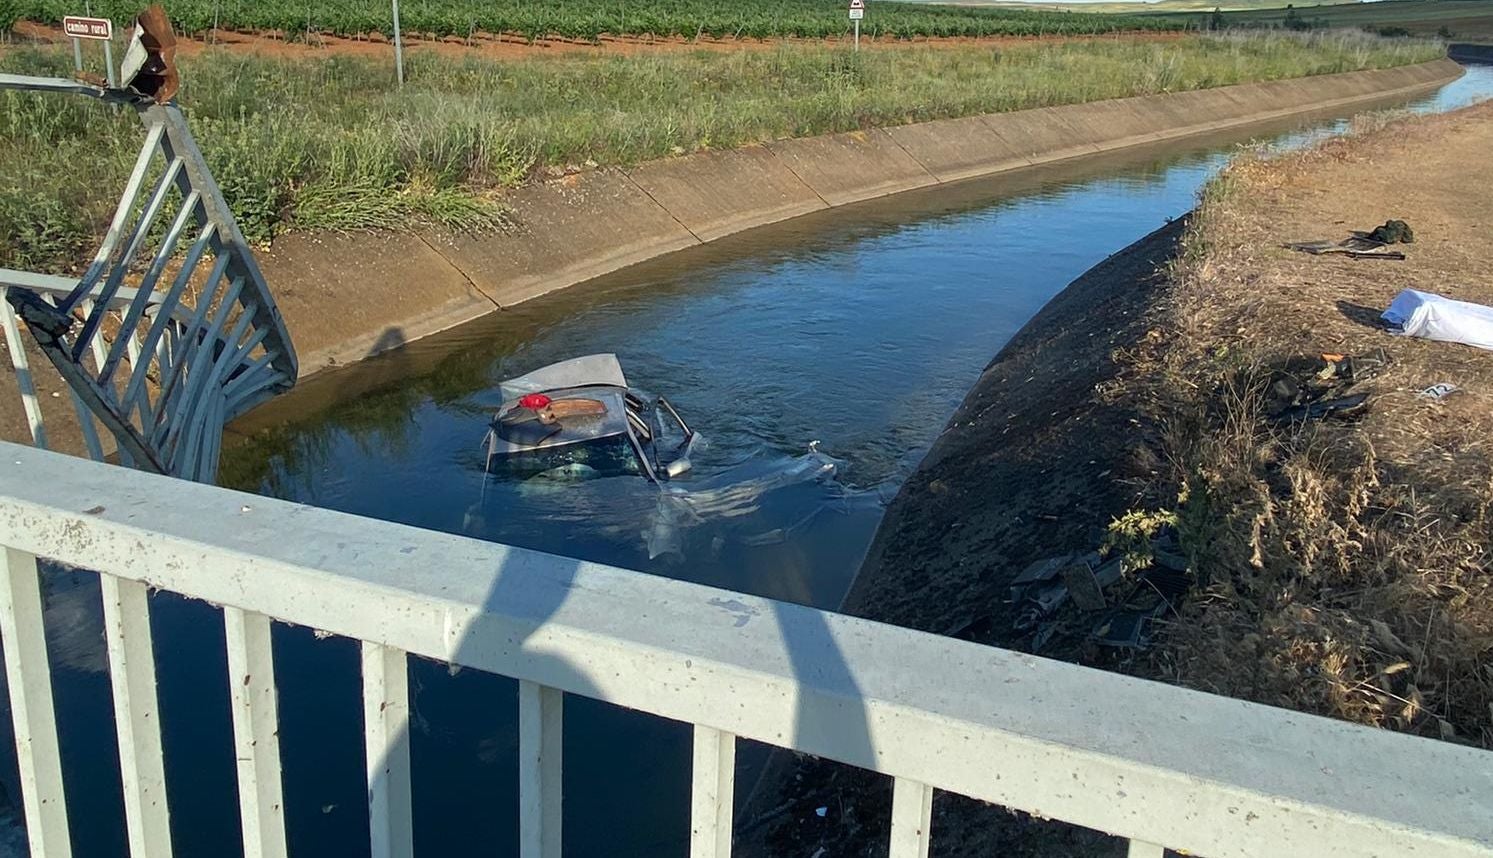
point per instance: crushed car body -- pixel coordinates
(579, 419)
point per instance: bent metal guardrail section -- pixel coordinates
(1161, 765)
(160, 346)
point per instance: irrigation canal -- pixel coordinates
(819, 357)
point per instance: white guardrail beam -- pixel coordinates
(1154, 763)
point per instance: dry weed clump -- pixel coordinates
(1345, 567)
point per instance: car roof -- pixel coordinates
(587, 371)
(573, 430)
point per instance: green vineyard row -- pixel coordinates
(590, 19)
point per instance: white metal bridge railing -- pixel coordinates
(1153, 763)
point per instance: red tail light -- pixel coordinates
(534, 401)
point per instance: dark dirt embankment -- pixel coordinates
(1036, 462)
(1337, 566)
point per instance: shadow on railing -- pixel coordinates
(1140, 760)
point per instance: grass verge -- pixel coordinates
(331, 143)
(1343, 565)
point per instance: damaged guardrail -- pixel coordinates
(171, 331)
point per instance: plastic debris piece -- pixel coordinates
(1125, 630)
(1042, 603)
(1083, 587)
(1043, 636)
(1440, 391)
(1169, 560)
(1322, 408)
(1038, 571)
(1108, 572)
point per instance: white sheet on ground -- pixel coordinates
(1423, 314)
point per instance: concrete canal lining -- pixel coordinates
(584, 225)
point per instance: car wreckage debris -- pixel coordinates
(1096, 585)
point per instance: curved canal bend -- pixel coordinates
(857, 331)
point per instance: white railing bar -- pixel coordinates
(24, 381)
(541, 724)
(212, 445)
(132, 348)
(712, 793)
(1141, 849)
(154, 337)
(179, 135)
(912, 819)
(245, 400)
(386, 744)
(1137, 759)
(249, 379)
(29, 677)
(256, 732)
(138, 234)
(88, 283)
(184, 457)
(171, 388)
(51, 84)
(203, 359)
(85, 426)
(85, 417)
(196, 457)
(100, 351)
(132, 676)
(237, 351)
(53, 286)
(136, 308)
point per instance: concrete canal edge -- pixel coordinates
(572, 229)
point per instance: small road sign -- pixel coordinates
(78, 27)
(857, 9)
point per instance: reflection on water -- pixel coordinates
(820, 357)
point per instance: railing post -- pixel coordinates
(22, 366)
(386, 742)
(256, 732)
(912, 819)
(540, 731)
(1141, 849)
(29, 676)
(712, 793)
(132, 676)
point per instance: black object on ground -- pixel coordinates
(1357, 247)
(1323, 408)
(1363, 245)
(1393, 232)
(1311, 388)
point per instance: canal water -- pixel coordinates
(820, 358)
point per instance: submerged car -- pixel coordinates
(579, 419)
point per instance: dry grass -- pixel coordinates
(1344, 565)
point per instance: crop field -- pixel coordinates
(591, 19)
(1462, 20)
(331, 142)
